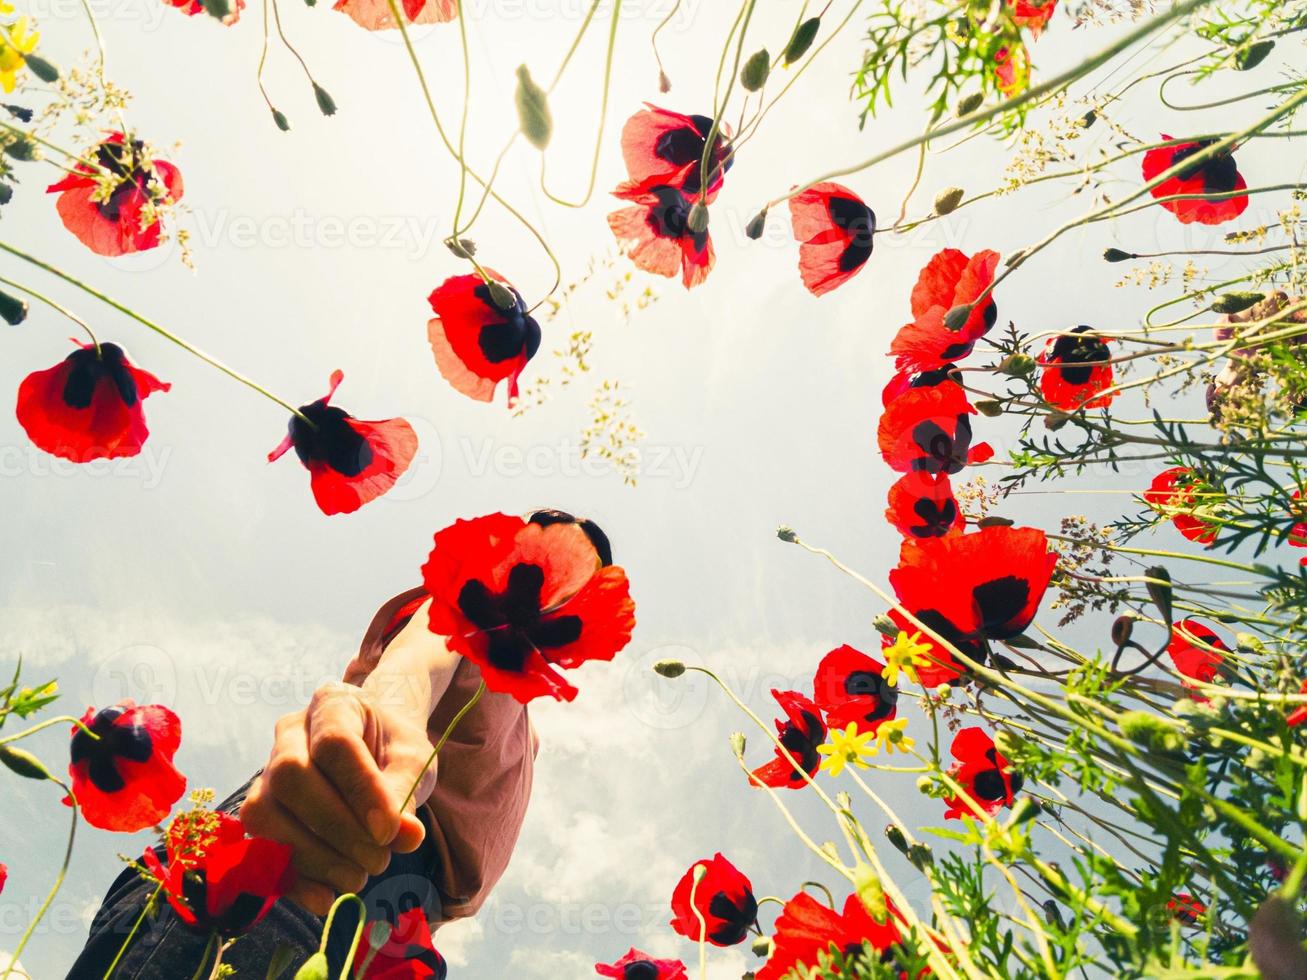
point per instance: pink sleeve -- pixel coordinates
(484, 774)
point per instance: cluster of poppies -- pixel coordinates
(714, 903)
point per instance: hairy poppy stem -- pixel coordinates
(40, 297)
(58, 883)
(161, 331)
(136, 926)
(49, 722)
(444, 737)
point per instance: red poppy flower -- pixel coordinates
(4, 876)
(476, 342)
(806, 929)
(1186, 909)
(950, 278)
(1077, 386)
(216, 878)
(88, 406)
(1298, 533)
(928, 430)
(407, 955)
(1215, 175)
(662, 147)
(1032, 14)
(655, 233)
(636, 965)
(1004, 571)
(112, 210)
(124, 780)
(904, 381)
(375, 15)
(350, 462)
(1299, 714)
(1190, 650)
(522, 600)
(835, 231)
(801, 731)
(850, 689)
(193, 7)
(952, 615)
(983, 772)
(1172, 492)
(595, 534)
(922, 505)
(723, 897)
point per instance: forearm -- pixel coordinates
(414, 671)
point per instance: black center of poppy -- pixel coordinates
(87, 372)
(938, 623)
(640, 970)
(868, 684)
(684, 145)
(937, 517)
(802, 741)
(516, 333)
(1002, 602)
(859, 221)
(1075, 348)
(331, 439)
(592, 531)
(736, 916)
(669, 218)
(1219, 173)
(513, 621)
(130, 743)
(942, 452)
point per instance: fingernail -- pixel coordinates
(379, 825)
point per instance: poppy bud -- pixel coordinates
(786, 533)
(21, 149)
(1150, 731)
(314, 968)
(753, 75)
(762, 947)
(23, 763)
(12, 309)
(924, 785)
(1159, 590)
(969, 104)
(221, 9)
(944, 692)
(41, 68)
(1236, 302)
(1122, 627)
(280, 119)
(669, 668)
(737, 744)
(379, 934)
(664, 83)
(1253, 55)
(993, 520)
(895, 836)
(325, 102)
(870, 891)
(1116, 255)
(1055, 420)
(699, 871)
(989, 408)
(1247, 643)
(757, 224)
(21, 113)
(802, 40)
(501, 295)
(1052, 915)
(956, 318)
(533, 116)
(464, 248)
(886, 626)
(921, 856)
(697, 220)
(947, 200)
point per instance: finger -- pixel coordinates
(310, 855)
(337, 725)
(295, 783)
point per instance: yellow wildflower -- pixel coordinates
(890, 737)
(905, 655)
(15, 42)
(846, 747)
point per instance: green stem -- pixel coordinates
(444, 737)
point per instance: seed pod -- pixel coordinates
(956, 318)
(787, 534)
(1017, 365)
(802, 40)
(697, 220)
(12, 309)
(325, 102)
(1052, 914)
(756, 70)
(21, 149)
(41, 68)
(23, 763)
(895, 835)
(464, 248)
(280, 119)
(989, 408)
(19, 112)
(1160, 590)
(947, 200)
(501, 295)
(1116, 255)
(533, 116)
(737, 744)
(220, 9)
(993, 520)
(1253, 55)
(969, 104)
(669, 668)
(921, 856)
(664, 83)
(757, 225)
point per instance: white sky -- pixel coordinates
(215, 570)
